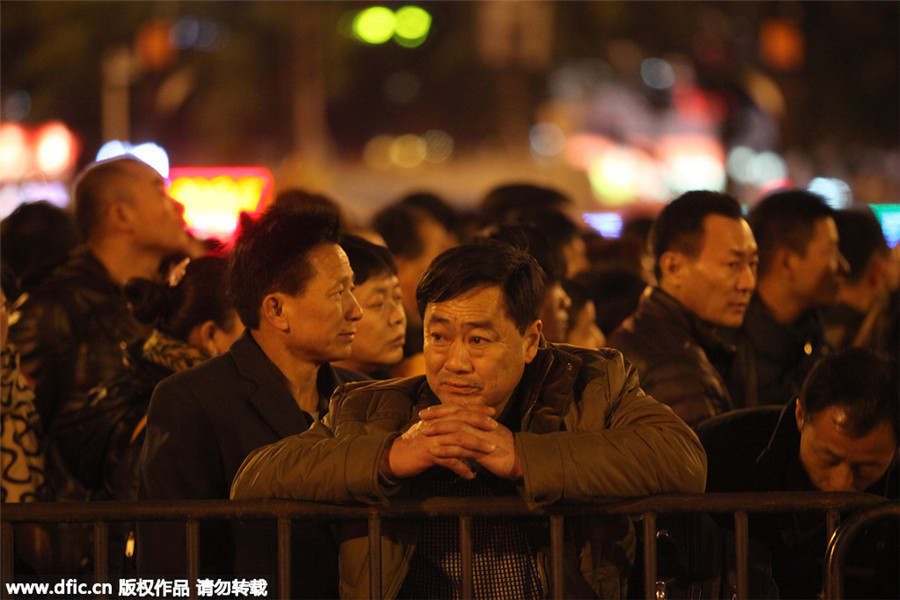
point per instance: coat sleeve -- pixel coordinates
(619, 442)
(318, 466)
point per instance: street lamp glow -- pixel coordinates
(374, 25)
(412, 26)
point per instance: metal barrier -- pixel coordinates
(646, 509)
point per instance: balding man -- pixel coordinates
(74, 328)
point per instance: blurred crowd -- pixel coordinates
(773, 335)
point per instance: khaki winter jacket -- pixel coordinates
(588, 430)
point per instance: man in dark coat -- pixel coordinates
(75, 327)
(291, 285)
(840, 435)
(800, 271)
(705, 263)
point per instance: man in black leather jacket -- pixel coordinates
(705, 265)
(74, 329)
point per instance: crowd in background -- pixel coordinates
(725, 317)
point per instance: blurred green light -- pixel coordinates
(413, 24)
(374, 25)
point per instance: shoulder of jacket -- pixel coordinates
(378, 395)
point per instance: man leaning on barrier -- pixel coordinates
(498, 412)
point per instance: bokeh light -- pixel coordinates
(412, 26)
(547, 139)
(55, 150)
(13, 152)
(836, 193)
(374, 25)
(408, 151)
(657, 73)
(438, 145)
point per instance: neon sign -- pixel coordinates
(214, 197)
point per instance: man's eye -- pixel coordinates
(376, 306)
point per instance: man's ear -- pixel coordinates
(785, 260)
(203, 336)
(671, 267)
(799, 415)
(273, 311)
(532, 339)
(119, 216)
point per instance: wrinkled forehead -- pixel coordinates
(480, 305)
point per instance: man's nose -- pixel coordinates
(747, 278)
(843, 267)
(354, 311)
(841, 479)
(458, 357)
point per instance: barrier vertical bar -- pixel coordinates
(192, 541)
(742, 552)
(284, 558)
(7, 556)
(649, 520)
(465, 548)
(832, 520)
(557, 544)
(374, 556)
(101, 553)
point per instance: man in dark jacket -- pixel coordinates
(800, 271)
(74, 329)
(840, 435)
(705, 264)
(498, 413)
(291, 285)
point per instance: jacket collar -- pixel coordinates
(545, 391)
(707, 335)
(271, 397)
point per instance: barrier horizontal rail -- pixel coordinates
(284, 511)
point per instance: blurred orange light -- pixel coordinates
(14, 152)
(781, 45)
(214, 197)
(55, 149)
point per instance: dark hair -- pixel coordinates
(34, 239)
(859, 380)
(200, 296)
(616, 292)
(532, 241)
(300, 199)
(519, 203)
(679, 226)
(786, 218)
(367, 259)
(91, 192)
(435, 206)
(861, 238)
(397, 224)
(270, 255)
(485, 263)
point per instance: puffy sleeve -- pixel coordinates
(618, 442)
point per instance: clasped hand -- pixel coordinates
(445, 436)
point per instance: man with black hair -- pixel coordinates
(414, 238)
(291, 284)
(75, 326)
(839, 435)
(705, 265)
(862, 314)
(554, 312)
(800, 271)
(380, 334)
(499, 412)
